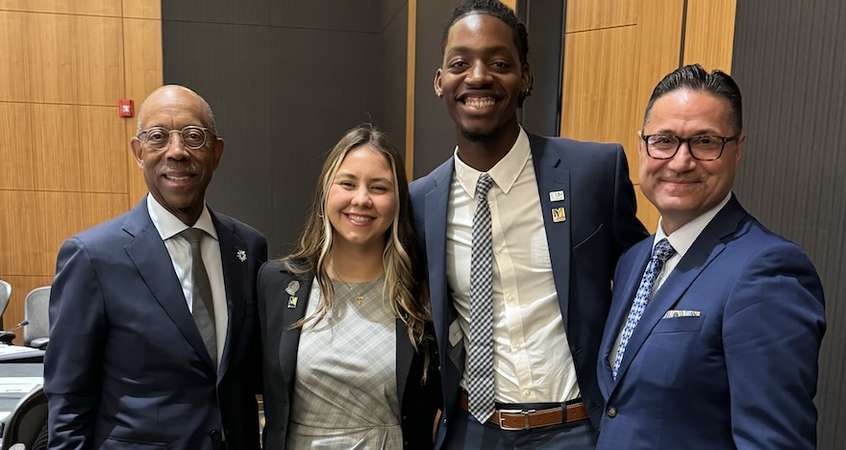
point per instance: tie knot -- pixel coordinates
(193, 235)
(483, 185)
(663, 250)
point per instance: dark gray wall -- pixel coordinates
(790, 60)
(285, 79)
(434, 133)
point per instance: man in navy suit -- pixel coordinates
(153, 314)
(520, 280)
(716, 322)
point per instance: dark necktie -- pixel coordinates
(480, 379)
(202, 306)
(660, 254)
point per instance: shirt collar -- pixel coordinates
(683, 238)
(169, 225)
(504, 173)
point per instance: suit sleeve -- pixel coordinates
(627, 228)
(73, 363)
(773, 325)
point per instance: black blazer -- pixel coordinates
(419, 402)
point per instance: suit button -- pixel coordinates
(612, 412)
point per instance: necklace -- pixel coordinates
(358, 290)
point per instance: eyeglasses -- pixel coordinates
(702, 148)
(193, 137)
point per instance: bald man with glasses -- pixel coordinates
(153, 340)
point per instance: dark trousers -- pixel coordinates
(465, 432)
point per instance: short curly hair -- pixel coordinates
(496, 9)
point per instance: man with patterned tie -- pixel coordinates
(153, 340)
(521, 234)
(716, 323)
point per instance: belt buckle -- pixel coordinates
(523, 412)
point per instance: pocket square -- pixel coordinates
(674, 313)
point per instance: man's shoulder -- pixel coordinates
(108, 233)
(423, 184)
(242, 229)
(578, 148)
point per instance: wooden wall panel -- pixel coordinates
(42, 220)
(615, 53)
(61, 148)
(66, 162)
(583, 15)
(709, 35)
(143, 63)
(599, 98)
(57, 58)
(89, 7)
(143, 9)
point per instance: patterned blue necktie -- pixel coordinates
(480, 380)
(660, 254)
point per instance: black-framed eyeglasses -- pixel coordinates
(702, 148)
(193, 137)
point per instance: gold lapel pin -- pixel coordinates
(558, 215)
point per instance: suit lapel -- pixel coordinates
(552, 176)
(149, 254)
(437, 200)
(289, 340)
(624, 293)
(405, 353)
(705, 248)
(235, 275)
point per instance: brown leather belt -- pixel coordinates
(521, 419)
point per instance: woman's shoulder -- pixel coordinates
(283, 270)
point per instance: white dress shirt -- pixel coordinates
(179, 249)
(681, 240)
(532, 360)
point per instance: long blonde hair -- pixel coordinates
(405, 283)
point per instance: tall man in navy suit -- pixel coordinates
(520, 280)
(715, 326)
(153, 314)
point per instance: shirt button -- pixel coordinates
(612, 412)
(528, 394)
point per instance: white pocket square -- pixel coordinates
(675, 313)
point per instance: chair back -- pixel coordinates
(5, 294)
(36, 315)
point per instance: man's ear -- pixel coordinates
(437, 83)
(135, 147)
(217, 151)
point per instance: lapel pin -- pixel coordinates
(241, 255)
(558, 215)
(292, 289)
(556, 196)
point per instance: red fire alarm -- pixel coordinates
(126, 107)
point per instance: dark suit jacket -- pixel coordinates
(740, 375)
(418, 402)
(126, 366)
(600, 224)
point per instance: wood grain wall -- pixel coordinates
(615, 51)
(66, 166)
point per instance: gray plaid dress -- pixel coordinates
(345, 392)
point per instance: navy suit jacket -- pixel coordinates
(126, 366)
(600, 224)
(743, 373)
(418, 401)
